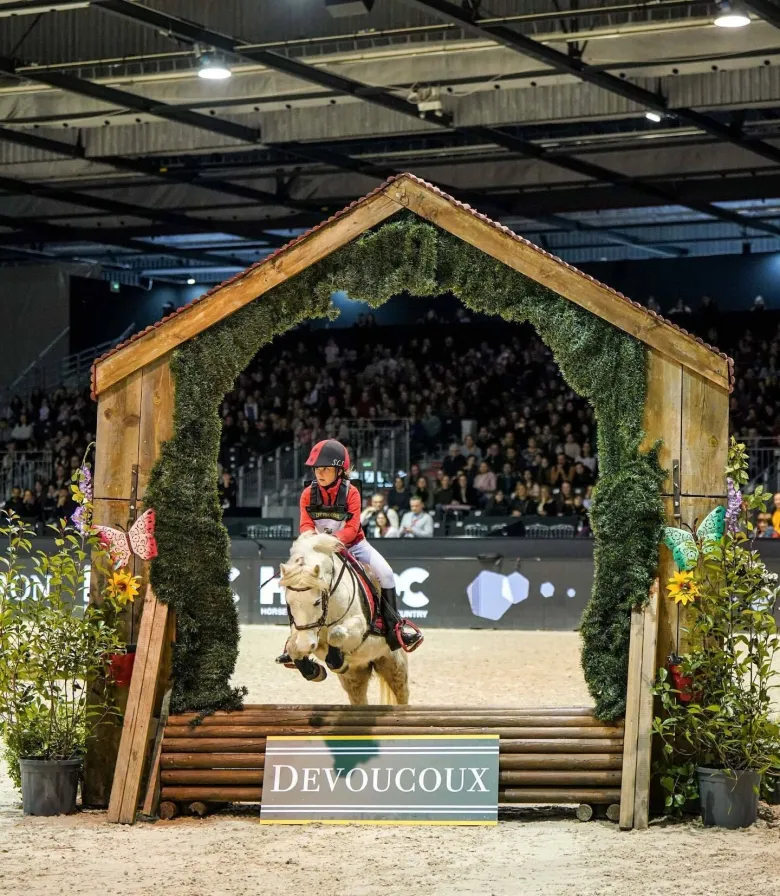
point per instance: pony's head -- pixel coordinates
(306, 575)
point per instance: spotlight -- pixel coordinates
(653, 116)
(731, 15)
(190, 281)
(212, 68)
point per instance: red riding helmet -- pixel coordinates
(329, 453)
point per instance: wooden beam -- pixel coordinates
(631, 735)
(663, 412)
(152, 798)
(134, 745)
(645, 721)
(239, 292)
(705, 437)
(561, 278)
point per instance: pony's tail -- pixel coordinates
(386, 695)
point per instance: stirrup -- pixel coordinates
(400, 633)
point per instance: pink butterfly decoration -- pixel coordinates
(139, 540)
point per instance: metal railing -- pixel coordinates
(72, 371)
(378, 450)
(763, 462)
(22, 469)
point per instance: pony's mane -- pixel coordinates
(306, 554)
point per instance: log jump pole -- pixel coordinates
(546, 756)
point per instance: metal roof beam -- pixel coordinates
(116, 207)
(42, 232)
(573, 65)
(194, 33)
(150, 168)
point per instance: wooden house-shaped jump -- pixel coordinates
(686, 407)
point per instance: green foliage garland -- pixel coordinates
(598, 361)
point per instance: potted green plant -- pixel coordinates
(720, 740)
(53, 655)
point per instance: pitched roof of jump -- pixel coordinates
(450, 199)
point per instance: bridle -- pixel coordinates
(326, 595)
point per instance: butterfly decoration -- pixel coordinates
(683, 545)
(139, 540)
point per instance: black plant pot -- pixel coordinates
(728, 799)
(49, 787)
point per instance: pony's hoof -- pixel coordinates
(310, 670)
(335, 660)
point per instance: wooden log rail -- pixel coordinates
(552, 756)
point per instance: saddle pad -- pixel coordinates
(369, 598)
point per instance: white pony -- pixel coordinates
(327, 611)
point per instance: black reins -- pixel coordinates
(326, 595)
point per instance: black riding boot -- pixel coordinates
(397, 630)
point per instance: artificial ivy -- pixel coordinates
(598, 361)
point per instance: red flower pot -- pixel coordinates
(120, 667)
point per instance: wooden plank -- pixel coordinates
(157, 403)
(632, 719)
(118, 422)
(139, 746)
(138, 717)
(646, 701)
(260, 731)
(253, 719)
(507, 745)
(563, 279)
(152, 797)
(133, 702)
(553, 796)
(118, 426)
(237, 293)
(506, 762)
(705, 436)
(663, 412)
(346, 709)
(528, 795)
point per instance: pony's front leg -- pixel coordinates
(347, 636)
(342, 640)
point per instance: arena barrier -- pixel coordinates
(547, 756)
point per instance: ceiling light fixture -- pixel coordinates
(211, 68)
(653, 116)
(731, 15)
(190, 281)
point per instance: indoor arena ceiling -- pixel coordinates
(113, 150)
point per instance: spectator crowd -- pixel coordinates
(42, 442)
(494, 428)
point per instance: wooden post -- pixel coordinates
(635, 780)
(645, 722)
(133, 748)
(118, 425)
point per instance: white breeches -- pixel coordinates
(369, 555)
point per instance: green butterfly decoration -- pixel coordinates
(683, 545)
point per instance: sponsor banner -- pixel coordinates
(453, 593)
(406, 779)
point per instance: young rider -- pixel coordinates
(332, 504)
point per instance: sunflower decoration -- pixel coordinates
(682, 588)
(122, 587)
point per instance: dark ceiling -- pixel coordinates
(113, 151)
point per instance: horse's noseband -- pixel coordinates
(326, 593)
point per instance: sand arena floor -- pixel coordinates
(542, 852)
